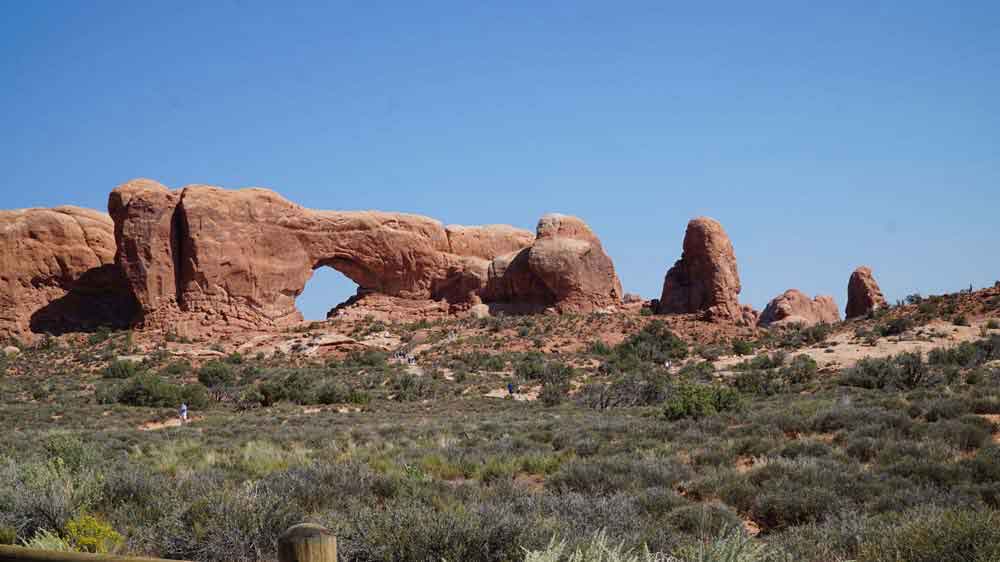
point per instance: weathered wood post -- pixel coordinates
(307, 543)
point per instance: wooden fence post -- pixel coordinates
(307, 543)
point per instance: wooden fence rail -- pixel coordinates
(301, 543)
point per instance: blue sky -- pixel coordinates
(823, 135)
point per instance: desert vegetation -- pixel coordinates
(656, 446)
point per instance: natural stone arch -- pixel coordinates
(241, 257)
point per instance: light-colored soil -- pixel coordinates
(525, 394)
(843, 350)
(173, 422)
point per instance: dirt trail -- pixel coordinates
(523, 395)
(173, 422)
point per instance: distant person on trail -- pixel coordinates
(510, 388)
(184, 413)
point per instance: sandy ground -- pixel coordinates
(173, 422)
(844, 350)
(525, 394)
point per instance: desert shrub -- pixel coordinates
(47, 493)
(703, 519)
(409, 387)
(944, 409)
(965, 434)
(654, 344)
(597, 548)
(644, 388)
(599, 348)
(711, 352)
(234, 358)
(176, 368)
(763, 361)
(792, 492)
(950, 535)
(702, 370)
(332, 392)
(904, 371)
(407, 528)
(98, 336)
(985, 465)
(801, 369)
(534, 367)
(895, 327)
(690, 400)
(152, 391)
(610, 475)
(861, 447)
(121, 370)
(369, 358)
(730, 545)
(294, 385)
(799, 336)
(992, 324)
(965, 354)
(90, 534)
(215, 373)
(805, 448)
(742, 347)
(760, 382)
(553, 393)
(479, 361)
(8, 535)
(221, 523)
(960, 320)
(72, 452)
(45, 539)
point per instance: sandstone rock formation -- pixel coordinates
(705, 279)
(863, 293)
(632, 298)
(203, 256)
(566, 268)
(795, 307)
(57, 272)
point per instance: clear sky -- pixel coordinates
(823, 135)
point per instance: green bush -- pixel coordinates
(553, 393)
(742, 347)
(121, 370)
(901, 372)
(895, 327)
(295, 385)
(215, 373)
(150, 390)
(952, 535)
(654, 344)
(802, 369)
(760, 382)
(691, 400)
(333, 392)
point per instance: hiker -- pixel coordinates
(184, 413)
(510, 389)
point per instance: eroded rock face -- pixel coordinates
(705, 279)
(57, 272)
(795, 307)
(204, 256)
(863, 293)
(565, 268)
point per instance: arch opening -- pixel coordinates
(324, 291)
